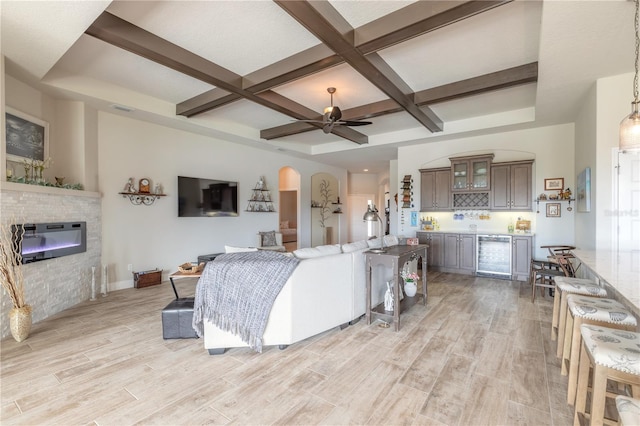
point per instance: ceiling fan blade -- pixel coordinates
(355, 123)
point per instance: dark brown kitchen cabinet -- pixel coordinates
(435, 191)
(511, 186)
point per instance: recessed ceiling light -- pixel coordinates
(365, 170)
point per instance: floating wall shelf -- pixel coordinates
(138, 198)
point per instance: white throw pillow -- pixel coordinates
(330, 249)
(374, 243)
(310, 252)
(391, 240)
(351, 247)
(232, 249)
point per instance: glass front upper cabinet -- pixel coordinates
(471, 173)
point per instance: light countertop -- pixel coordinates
(620, 270)
(478, 232)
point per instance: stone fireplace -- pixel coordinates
(54, 284)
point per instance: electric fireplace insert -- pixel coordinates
(41, 241)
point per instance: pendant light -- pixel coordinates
(630, 126)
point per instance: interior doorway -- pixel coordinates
(289, 209)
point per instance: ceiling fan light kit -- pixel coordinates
(630, 125)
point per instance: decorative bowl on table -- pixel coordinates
(191, 268)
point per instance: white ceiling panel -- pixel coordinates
(501, 38)
(360, 12)
(351, 89)
(101, 61)
(512, 98)
(248, 113)
(241, 36)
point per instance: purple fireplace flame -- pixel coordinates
(42, 241)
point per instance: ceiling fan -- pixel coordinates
(332, 117)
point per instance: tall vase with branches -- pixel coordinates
(12, 278)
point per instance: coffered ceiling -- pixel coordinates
(248, 71)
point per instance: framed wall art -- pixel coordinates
(583, 193)
(554, 184)
(27, 137)
(553, 210)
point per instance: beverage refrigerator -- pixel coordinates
(494, 256)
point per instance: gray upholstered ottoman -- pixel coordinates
(177, 318)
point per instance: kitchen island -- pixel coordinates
(619, 271)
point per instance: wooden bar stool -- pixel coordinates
(588, 310)
(564, 287)
(543, 274)
(628, 410)
(612, 355)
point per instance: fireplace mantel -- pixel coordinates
(24, 187)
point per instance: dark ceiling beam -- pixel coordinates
(411, 21)
(509, 77)
(322, 20)
(118, 32)
(416, 19)
(523, 74)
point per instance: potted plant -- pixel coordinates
(410, 286)
(13, 280)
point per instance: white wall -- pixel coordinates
(614, 96)
(585, 156)
(153, 236)
(552, 148)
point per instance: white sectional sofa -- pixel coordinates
(326, 290)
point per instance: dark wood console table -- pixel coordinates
(395, 257)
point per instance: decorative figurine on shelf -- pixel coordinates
(260, 184)
(158, 189)
(567, 194)
(388, 298)
(129, 186)
(59, 180)
(542, 197)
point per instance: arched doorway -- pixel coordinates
(289, 211)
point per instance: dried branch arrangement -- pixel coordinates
(325, 194)
(11, 264)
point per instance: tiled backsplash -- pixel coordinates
(480, 221)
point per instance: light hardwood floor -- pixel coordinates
(479, 353)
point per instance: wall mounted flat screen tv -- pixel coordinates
(206, 197)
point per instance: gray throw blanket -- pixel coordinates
(236, 292)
